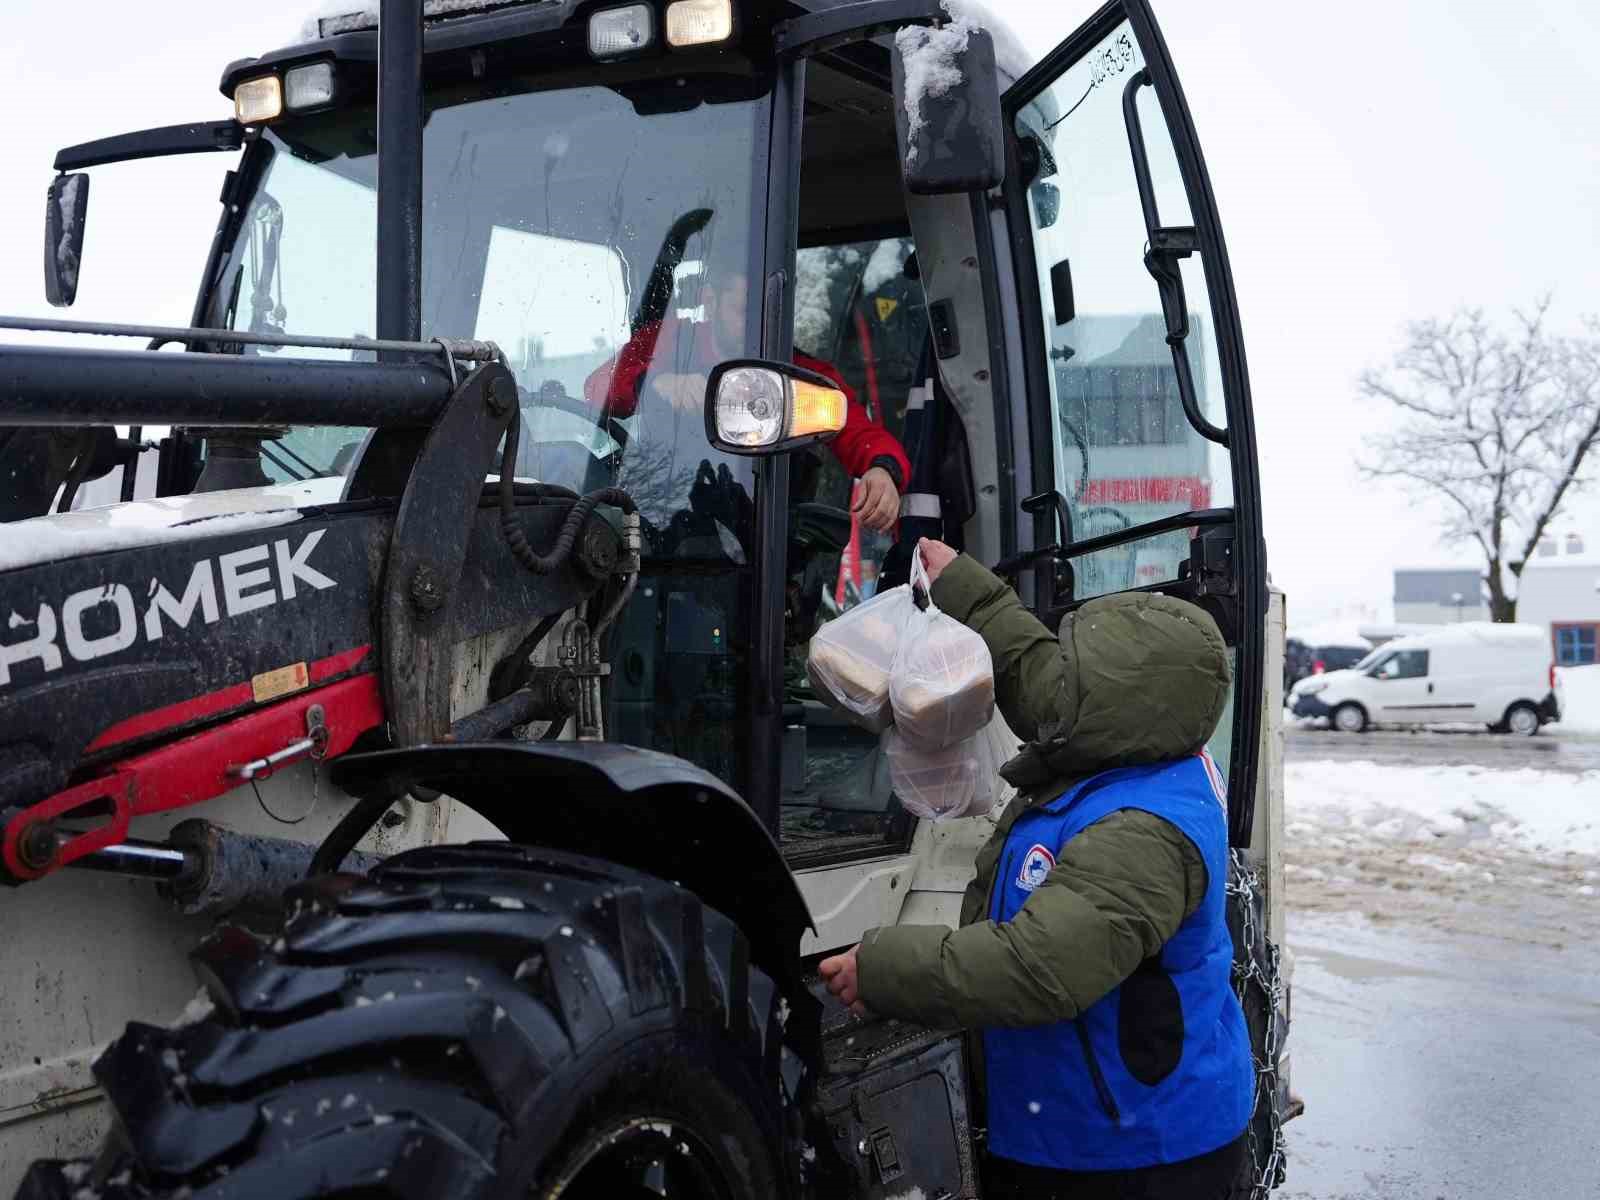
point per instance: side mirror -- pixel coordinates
(757, 407)
(947, 110)
(66, 210)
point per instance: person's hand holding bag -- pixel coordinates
(941, 685)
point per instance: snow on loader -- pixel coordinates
(469, 689)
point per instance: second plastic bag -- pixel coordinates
(958, 781)
(850, 656)
(941, 684)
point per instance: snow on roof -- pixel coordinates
(332, 17)
(1553, 562)
(1477, 633)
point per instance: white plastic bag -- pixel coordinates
(959, 781)
(941, 683)
(935, 785)
(849, 659)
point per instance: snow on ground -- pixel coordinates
(1509, 854)
(1538, 812)
(1579, 692)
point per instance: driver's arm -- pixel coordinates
(613, 386)
(863, 443)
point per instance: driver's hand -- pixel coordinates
(877, 501)
(686, 393)
(936, 556)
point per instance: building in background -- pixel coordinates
(1439, 596)
(1560, 590)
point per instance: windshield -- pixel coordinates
(607, 243)
(602, 240)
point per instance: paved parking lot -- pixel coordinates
(1550, 750)
(1445, 926)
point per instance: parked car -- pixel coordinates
(1303, 657)
(1500, 675)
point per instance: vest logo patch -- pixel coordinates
(1037, 864)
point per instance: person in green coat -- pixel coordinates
(1093, 957)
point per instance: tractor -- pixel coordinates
(446, 722)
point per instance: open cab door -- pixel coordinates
(1143, 457)
(1142, 443)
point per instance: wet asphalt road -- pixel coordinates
(1550, 750)
(1456, 1068)
(1446, 1043)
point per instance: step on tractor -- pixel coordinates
(410, 649)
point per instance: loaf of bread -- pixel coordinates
(941, 687)
(938, 785)
(850, 657)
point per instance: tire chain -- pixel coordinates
(1258, 969)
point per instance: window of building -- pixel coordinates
(1576, 645)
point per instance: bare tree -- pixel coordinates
(1499, 423)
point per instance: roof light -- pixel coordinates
(308, 86)
(699, 22)
(614, 32)
(258, 100)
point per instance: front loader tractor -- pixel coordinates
(411, 647)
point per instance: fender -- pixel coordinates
(637, 808)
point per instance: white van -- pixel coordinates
(1500, 675)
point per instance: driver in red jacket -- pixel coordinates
(863, 447)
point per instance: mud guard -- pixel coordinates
(638, 808)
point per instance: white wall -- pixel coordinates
(1439, 614)
(1559, 592)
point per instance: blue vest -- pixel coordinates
(1159, 1069)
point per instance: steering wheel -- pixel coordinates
(553, 396)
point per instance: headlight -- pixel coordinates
(308, 86)
(757, 407)
(614, 32)
(258, 100)
(699, 22)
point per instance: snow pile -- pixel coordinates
(1010, 55)
(822, 280)
(929, 56)
(1540, 812)
(1578, 689)
(887, 262)
(47, 539)
(333, 17)
(66, 256)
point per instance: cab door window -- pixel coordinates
(857, 309)
(1123, 450)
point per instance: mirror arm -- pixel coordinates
(1167, 245)
(819, 32)
(197, 137)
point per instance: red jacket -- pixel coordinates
(614, 387)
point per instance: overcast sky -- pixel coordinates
(1374, 162)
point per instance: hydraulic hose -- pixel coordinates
(544, 564)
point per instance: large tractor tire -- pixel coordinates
(469, 1022)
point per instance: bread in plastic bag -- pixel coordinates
(958, 781)
(941, 683)
(850, 657)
